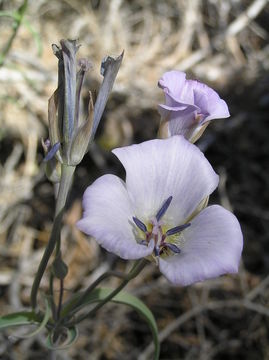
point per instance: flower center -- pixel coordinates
(164, 239)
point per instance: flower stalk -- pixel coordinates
(69, 138)
(73, 307)
(55, 238)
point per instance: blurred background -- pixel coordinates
(222, 43)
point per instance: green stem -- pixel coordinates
(60, 298)
(79, 298)
(137, 268)
(65, 184)
(51, 290)
(18, 18)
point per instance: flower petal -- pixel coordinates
(175, 106)
(158, 169)
(108, 216)
(172, 82)
(212, 247)
(209, 101)
(182, 123)
(189, 105)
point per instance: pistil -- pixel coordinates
(157, 234)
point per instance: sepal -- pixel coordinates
(109, 70)
(81, 139)
(69, 50)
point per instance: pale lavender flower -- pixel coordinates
(159, 212)
(189, 106)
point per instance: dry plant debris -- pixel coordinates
(224, 43)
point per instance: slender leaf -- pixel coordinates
(71, 337)
(130, 300)
(42, 324)
(19, 318)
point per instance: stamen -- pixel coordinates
(52, 152)
(163, 209)
(157, 251)
(143, 242)
(177, 229)
(140, 224)
(172, 247)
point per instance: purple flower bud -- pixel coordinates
(189, 106)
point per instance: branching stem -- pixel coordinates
(137, 268)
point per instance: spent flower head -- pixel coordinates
(160, 213)
(70, 134)
(189, 106)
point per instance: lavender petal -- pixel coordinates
(213, 246)
(158, 169)
(106, 217)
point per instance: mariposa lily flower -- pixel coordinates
(159, 212)
(189, 106)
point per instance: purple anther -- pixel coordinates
(52, 152)
(177, 229)
(143, 242)
(172, 247)
(140, 224)
(47, 143)
(157, 251)
(163, 209)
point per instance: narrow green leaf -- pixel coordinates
(42, 324)
(71, 337)
(19, 318)
(144, 311)
(130, 300)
